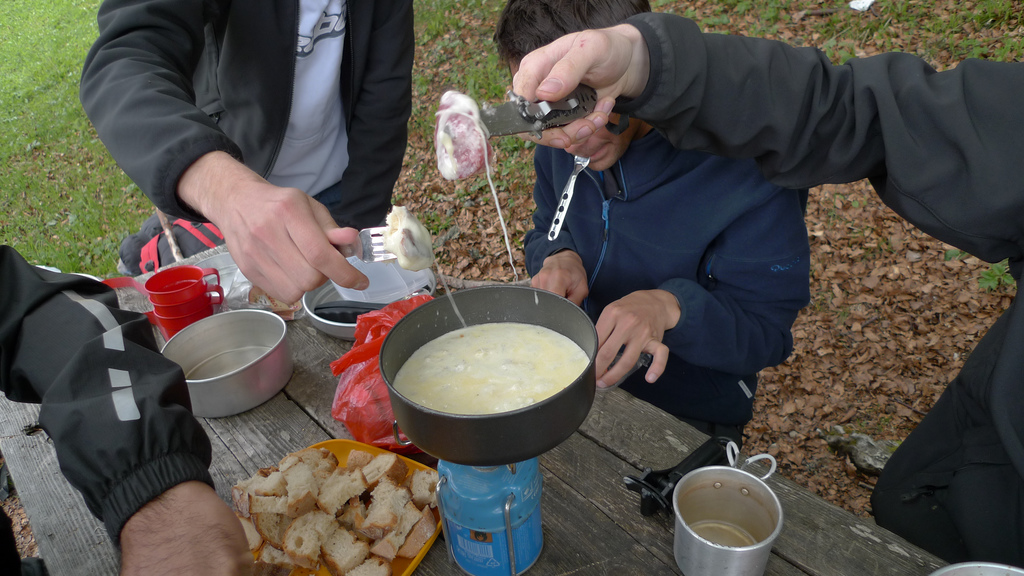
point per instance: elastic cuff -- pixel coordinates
(146, 483)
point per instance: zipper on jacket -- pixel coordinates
(600, 258)
(604, 242)
(708, 268)
(605, 207)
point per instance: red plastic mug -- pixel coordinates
(203, 301)
(169, 326)
(180, 284)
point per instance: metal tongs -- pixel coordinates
(655, 486)
(519, 115)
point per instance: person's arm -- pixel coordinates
(634, 324)
(738, 318)
(282, 239)
(939, 147)
(186, 530)
(118, 412)
(379, 111)
(563, 273)
(137, 89)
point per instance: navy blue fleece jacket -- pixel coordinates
(729, 245)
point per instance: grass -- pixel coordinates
(65, 203)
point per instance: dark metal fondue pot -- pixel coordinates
(505, 437)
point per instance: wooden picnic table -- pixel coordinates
(591, 522)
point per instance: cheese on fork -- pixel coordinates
(408, 240)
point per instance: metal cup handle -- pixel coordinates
(398, 434)
(732, 451)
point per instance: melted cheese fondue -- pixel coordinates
(490, 368)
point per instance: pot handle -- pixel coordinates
(398, 435)
(732, 451)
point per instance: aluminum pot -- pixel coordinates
(505, 437)
(233, 361)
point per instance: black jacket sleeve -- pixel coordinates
(118, 411)
(137, 89)
(940, 148)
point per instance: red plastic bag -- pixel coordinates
(361, 401)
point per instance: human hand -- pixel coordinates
(186, 530)
(563, 274)
(614, 61)
(637, 321)
(283, 240)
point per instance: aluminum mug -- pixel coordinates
(726, 519)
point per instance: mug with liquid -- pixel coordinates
(726, 519)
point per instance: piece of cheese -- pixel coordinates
(408, 240)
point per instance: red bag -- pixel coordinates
(361, 401)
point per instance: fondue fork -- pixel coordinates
(579, 163)
(372, 241)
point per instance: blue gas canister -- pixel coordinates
(491, 516)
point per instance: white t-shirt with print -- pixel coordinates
(314, 153)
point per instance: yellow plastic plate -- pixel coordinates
(399, 566)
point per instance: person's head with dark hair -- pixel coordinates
(525, 25)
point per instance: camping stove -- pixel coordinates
(491, 516)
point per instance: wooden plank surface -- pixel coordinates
(257, 438)
(313, 385)
(592, 523)
(817, 537)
